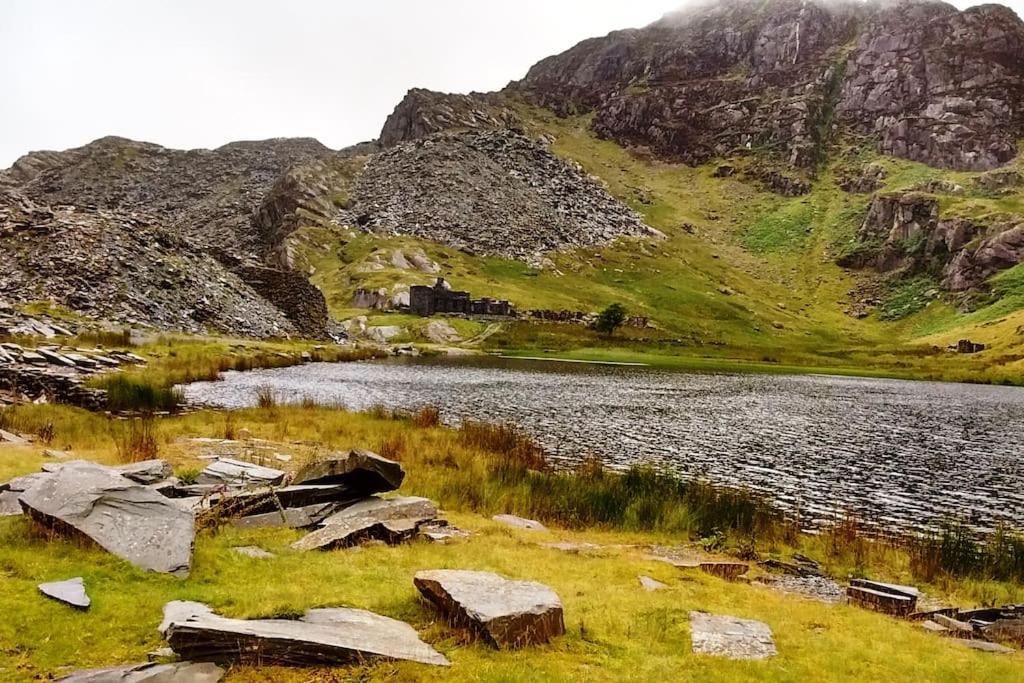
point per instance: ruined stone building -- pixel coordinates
(441, 298)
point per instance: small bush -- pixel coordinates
(506, 440)
(138, 394)
(136, 440)
(426, 417)
(265, 399)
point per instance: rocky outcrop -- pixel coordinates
(973, 266)
(778, 79)
(424, 112)
(904, 232)
(487, 192)
(937, 85)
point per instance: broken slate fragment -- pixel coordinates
(127, 519)
(519, 522)
(363, 472)
(71, 592)
(289, 518)
(506, 614)
(227, 471)
(176, 672)
(346, 533)
(147, 471)
(9, 505)
(381, 509)
(322, 637)
(731, 637)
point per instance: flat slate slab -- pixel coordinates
(288, 518)
(505, 613)
(71, 592)
(520, 522)
(985, 646)
(381, 509)
(229, 472)
(363, 472)
(322, 637)
(127, 519)
(147, 471)
(731, 637)
(177, 672)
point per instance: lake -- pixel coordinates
(901, 454)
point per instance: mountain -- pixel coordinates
(771, 174)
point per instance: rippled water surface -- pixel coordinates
(896, 452)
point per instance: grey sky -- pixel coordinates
(199, 73)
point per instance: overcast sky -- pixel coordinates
(200, 73)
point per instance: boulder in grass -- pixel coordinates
(887, 598)
(237, 473)
(363, 472)
(725, 636)
(9, 505)
(506, 614)
(519, 522)
(70, 592)
(322, 637)
(176, 672)
(127, 519)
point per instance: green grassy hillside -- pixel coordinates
(744, 273)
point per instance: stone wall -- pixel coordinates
(57, 388)
(302, 303)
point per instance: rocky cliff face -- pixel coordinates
(781, 79)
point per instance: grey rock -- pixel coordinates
(147, 471)
(176, 672)
(238, 473)
(650, 584)
(505, 613)
(9, 505)
(8, 437)
(125, 518)
(356, 530)
(323, 637)
(290, 518)
(731, 637)
(363, 472)
(382, 509)
(252, 551)
(519, 522)
(71, 592)
(985, 646)
(56, 358)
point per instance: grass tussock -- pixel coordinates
(426, 417)
(265, 398)
(135, 393)
(507, 441)
(136, 440)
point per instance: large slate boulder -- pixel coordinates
(147, 471)
(177, 672)
(127, 519)
(507, 614)
(322, 637)
(363, 472)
